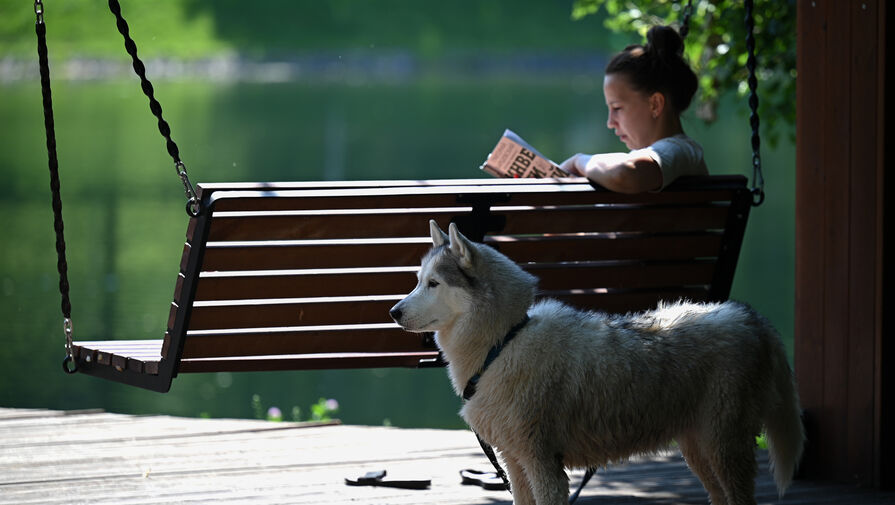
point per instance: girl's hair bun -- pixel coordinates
(665, 42)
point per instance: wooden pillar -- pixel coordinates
(840, 230)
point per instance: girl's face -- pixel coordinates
(632, 114)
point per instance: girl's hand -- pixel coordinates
(575, 164)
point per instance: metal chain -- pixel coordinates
(685, 23)
(55, 187)
(193, 205)
(751, 65)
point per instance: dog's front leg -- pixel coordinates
(549, 482)
(519, 483)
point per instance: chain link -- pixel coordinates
(53, 165)
(69, 347)
(685, 23)
(39, 11)
(752, 65)
(192, 205)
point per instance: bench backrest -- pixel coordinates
(302, 275)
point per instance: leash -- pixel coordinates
(469, 391)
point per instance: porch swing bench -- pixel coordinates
(297, 276)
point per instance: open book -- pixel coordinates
(514, 157)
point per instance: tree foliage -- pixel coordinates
(716, 48)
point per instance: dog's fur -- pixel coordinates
(583, 389)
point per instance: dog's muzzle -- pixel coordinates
(396, 314)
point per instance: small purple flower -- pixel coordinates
(274, 414)
(332, 405)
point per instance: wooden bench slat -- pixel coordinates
(286, 255)
(292, 283)
(609, 247)
(630, 301)
(298, 340)
(585, 220)
(695, 183)
(311, 312)
(313, 254)
(137, 356)
(520, 220)
(234, 197)
(627, 275)
(401, 280)
(307, 362)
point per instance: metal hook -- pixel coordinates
(69, 361)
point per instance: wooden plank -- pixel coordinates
(294, 283)
(383, 338)
(836, 237)
(614, 219)
(811, 117)
(358, 253)
(371, 223)
(282, 362)
(121, 355)
(292, 312)
(684, 183)
(865, 225)
(625, 301)
(391, 281)
(605, 247)
(623, 275)
(345, 195)
(306, 254)
(382, 222)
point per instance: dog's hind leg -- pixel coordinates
(733, 462)
(702, 467)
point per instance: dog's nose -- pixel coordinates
(395, 313)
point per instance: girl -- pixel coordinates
(646, 89)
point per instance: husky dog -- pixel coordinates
(583, 389)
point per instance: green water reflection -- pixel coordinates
(124, 215)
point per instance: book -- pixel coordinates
(515, 158)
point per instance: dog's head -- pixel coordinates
(459, 278)
(442, 290)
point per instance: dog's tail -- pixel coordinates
(785, 433)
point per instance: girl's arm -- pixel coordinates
(620, 172)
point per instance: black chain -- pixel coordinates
(193, 205)
(751, 64)
(685, 23)
(55, 186)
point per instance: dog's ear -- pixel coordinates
(460, 246)
(439, 238)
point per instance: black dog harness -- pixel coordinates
(469, 390)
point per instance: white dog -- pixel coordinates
(568, 388)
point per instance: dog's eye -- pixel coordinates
(433, 283)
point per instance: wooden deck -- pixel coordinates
(97, 457)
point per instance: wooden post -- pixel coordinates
(840, 230)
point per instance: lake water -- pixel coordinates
(124, 217)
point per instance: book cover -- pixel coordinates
(514, 157)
